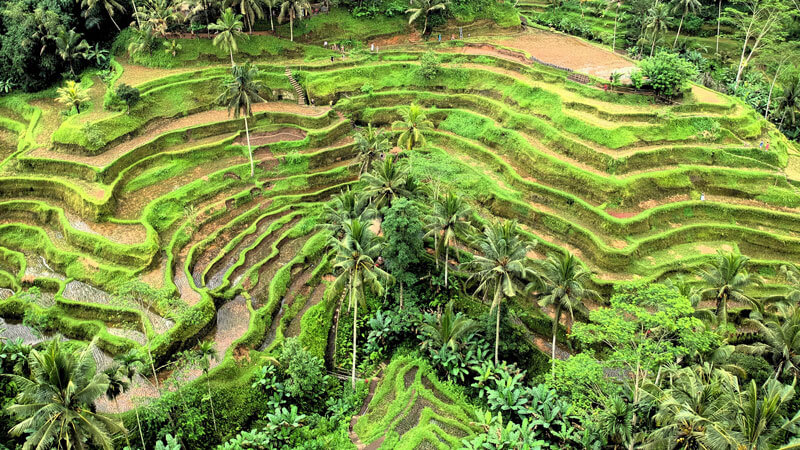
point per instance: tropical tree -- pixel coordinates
(131, 363)
(780, 340)
(206, 352)
(414, 122)
(55, 403)
(564, 282)
(726, 279)
(144, 39)
(159, 15)
(355, 258)
(500, 267)
(424, 8)
(693, 412)
(271, 4)
(448, 329)
(615, 420)
(117, 385)
(616, 4)
(241, 91)
(657, 21)
(449, 220)
(371, 143)
(293, 10)
(683, 7)
(790, 101)
(249, 9)
(70, 47)
(228, 28)
(111, 6)
(386, 181)
(758, 418)
(348, 205)
(72, 95)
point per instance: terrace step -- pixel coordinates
(301, 96)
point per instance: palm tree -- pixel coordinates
(72, 95)
(657, 20)
(70, 46)
(449, 329)
(229, 28)
(249, 9)
(158, 14)
(780, 340)
(346, 206)
(355, 259)
(206, 352)
(130, 363)
(450, 219)
(727, 279)
(684, 6)
(109, 5)
(616, 420)
(693, 412)
(386, 181)
(616, 4)
(758, 420)
(371, 143)
(500, 267)
(424, 8)
(411, 127)
(56, 402)
(271, 4)
(790, 101)
(117, 385)
(293, 9)
(564, 282)
(241, 91)
(143, 39)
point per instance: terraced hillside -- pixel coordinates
(637, 189)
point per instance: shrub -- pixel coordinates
(128, 94)
(429, 66)
(667, 73)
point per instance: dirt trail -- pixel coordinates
(373, 385)
(171, 124)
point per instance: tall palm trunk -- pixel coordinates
(497, 335)
(722, 307)
(653, 47)
(614, 39)
(556, 319)
(150, 354)
(136, 14)
(233, 64)
(113, 21)
(271, 24)
(291, 38)
(446, 262)
(249, 149)
(139, 425)
(355, 330)
(425, 27)
(680, 25)
(208, 24)
(719, 19)
(116, 405)
(211, 401)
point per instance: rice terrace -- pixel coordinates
(263, 224)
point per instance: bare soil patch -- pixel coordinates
(283, 134)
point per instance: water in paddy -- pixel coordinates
(134, 335)
(261, 252)
(37, 268)
(287, 251)
(13, 329)
(5, 293)
(233, 320)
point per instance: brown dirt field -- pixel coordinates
(567, 51)
(134, 75)
(705, 95)
(283, 134)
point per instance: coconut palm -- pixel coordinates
(55, 404)
(159, 15)
(229, 29)
(657, 21)
(411, 127)
(616, 4)
(780, 340)
(501, 267)
(564, 281)
(683, 6)
(356, 253)
(424, 8)
(111, 6)
(293, 10)
(241, 91)
(450, 220)
(70, 47)
(693, 412)
(117, 385)
(249, 9)
(790, 101)
(616, 420)
(348, 205)
(386, 181)
(206, 352)
(72, 95)
(271, 4)
(130, 364)
(449, 328)
(144, 39)
(758, 420)
(371, 143)
(726, 279)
